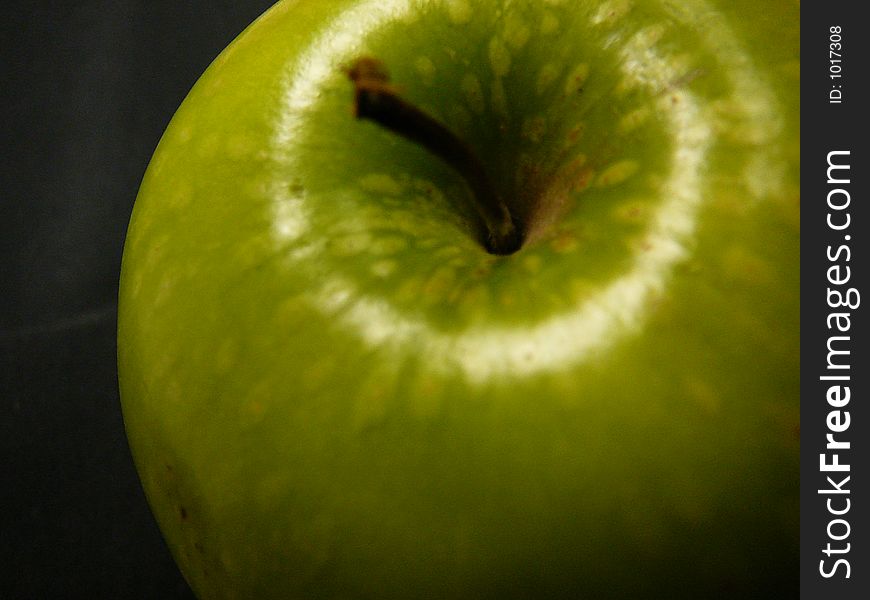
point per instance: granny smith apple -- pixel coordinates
(336, 385)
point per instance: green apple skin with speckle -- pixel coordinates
(332, 391)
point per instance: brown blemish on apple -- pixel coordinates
(584, 177)
(564, 242)
(702, 394)
(631, 212)
(610, 12)
(575, 80)
(575, 133)
(481, 271)
(507, 300)
(534, 128)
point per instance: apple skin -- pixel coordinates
(331, 390)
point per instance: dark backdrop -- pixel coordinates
(86, 91)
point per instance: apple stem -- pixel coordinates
(377, 101)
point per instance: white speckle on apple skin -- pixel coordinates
(289, 217)
(564, 242)
(165, 290)
(209, 145)
(499, 57)
(387, 245)
(333, 296)
(459, 11)
(473, 93)
(726, 108)
(576, 78)
(498, 98)
(546, 76)
(384, 268)
(136, 284)
(381, 183)
(184, 134)
(612, 11)
(764, 176)
(409, 290)
(425, 68)
(181, 196)
(437, 285)
(353, 244)
(516, 32)
(532, 263)
(240, 147)
(617, 173)
(634, 119)
(305, 251)
(631, 211)
(651, 34)
(549, 23)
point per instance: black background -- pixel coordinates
(87, 89)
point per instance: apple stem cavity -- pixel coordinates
(378, 101)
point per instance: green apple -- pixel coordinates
(330, 387)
